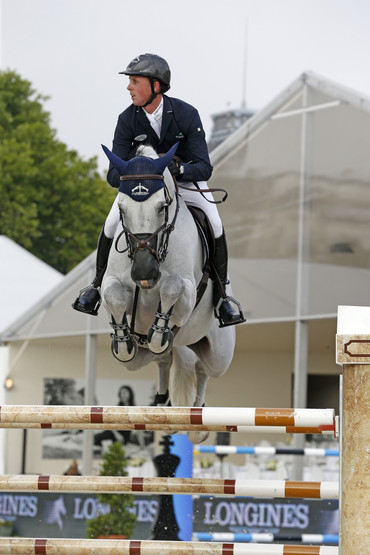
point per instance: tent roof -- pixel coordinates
(52, 316)
(317, 82)
(24, 280)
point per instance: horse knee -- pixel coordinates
(115, 298)
(172, 289)
(181, 294)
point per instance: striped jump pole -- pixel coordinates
(65, 546)
(175, 486)
(198, 416)
(267, 538)
(323, 430)
(240, 450)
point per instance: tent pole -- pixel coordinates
(90, 379)
(303, 277)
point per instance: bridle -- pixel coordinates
(135, 243)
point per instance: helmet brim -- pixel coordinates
(164, 86)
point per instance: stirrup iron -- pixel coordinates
(234, 301)
(77, 306)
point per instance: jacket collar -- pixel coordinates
(166, 120)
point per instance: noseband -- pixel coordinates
(134, 243)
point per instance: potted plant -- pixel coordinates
(6, 527)
(120, 520)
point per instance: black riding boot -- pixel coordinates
(223, 304)
(89, 299)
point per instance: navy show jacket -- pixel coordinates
(180, 123)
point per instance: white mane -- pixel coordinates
(146, 150)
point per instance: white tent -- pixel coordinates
(24, 280)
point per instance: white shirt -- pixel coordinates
(155, 119)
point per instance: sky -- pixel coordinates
(221, 53)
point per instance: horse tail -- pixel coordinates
(182, 377)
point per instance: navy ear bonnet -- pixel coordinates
(141, 189)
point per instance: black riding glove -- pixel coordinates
(175, 168)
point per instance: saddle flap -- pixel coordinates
(204, 224)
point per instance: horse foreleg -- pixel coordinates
(123, 346)
(163, 340)
(160, 336)
(214, 354)
(162, 397)
(202, 381)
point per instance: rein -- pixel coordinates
(204, 191)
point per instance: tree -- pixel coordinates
(120, 519)
(53, 203)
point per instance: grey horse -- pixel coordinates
(150, 287)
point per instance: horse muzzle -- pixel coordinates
(145, 268)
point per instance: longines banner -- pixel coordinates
(64, 515)
(276, 516)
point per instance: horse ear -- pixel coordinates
(162, 162)
(117, 162)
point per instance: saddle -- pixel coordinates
(208, 240)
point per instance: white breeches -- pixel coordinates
(194, 199)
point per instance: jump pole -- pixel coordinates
(166, 486)
(64, 546)
(323, 430)
(266, 537)
(264, 450)
(353, 354)
(194, 416)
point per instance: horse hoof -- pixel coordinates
(197, 437)
(162, 399)
(166, 342)
(131, 347)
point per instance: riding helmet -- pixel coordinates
(150, 65)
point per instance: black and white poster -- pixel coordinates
(68, 444)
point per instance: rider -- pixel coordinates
(162, 121)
